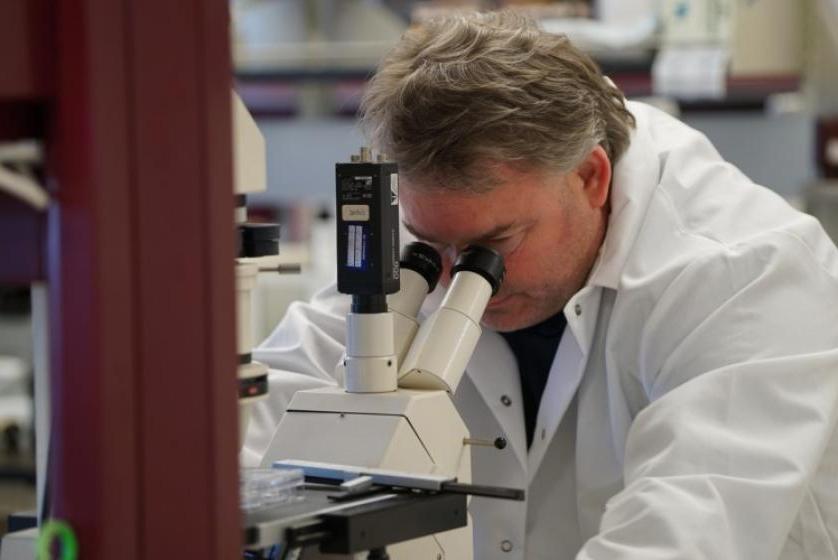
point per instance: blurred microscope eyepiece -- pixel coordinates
(424, 260)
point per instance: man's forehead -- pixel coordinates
(473, 235)
(476, 178)
(449, 216)
(494, 176)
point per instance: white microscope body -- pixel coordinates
(395, 411)
(257, 252)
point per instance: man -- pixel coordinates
(690, 409)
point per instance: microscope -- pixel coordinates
(257, 251)
(393, 420)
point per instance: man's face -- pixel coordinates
(547, 227)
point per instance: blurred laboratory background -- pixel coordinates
(758, 77)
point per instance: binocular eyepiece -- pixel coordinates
(443, 346)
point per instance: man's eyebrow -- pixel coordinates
(496, 231)
(418, 234)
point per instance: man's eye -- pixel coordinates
(505, 245)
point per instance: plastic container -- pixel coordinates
(262, 488)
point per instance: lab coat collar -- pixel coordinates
(633, 183)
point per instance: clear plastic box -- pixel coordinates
(261, 488)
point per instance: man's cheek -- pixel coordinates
(508, 284)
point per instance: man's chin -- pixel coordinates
(508, 318)
(506, 321)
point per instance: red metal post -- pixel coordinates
(141, 280)
(26, 50)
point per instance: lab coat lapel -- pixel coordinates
(566, 371)
(493, 371)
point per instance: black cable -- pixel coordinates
(378, 554)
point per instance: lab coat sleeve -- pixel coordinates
(739, 361)
(302, 353)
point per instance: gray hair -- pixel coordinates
(462, 91)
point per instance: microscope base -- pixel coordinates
(411, 431)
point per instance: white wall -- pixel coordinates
(774, 150)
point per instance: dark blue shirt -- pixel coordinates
(534, 348)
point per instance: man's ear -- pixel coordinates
(595, 173)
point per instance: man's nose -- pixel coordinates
(447, 265)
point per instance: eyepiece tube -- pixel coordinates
(444, 344)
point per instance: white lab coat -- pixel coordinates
(691, 410)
